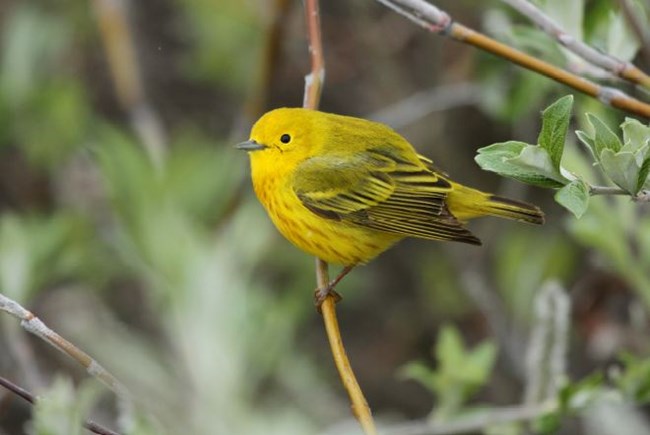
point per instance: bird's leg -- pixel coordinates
(321, 293)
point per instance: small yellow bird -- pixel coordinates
(345, 189)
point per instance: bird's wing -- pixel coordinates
(379, 190)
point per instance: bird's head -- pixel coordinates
(282, 137)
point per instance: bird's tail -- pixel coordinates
(466, 203)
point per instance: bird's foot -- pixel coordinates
(320, 294)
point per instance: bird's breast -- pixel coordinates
(334, 241)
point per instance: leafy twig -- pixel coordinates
(33, 324)
(313, 89)
(30, 398)
(625, 70)
(435, 20)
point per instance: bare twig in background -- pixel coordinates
(639, 29)
(121, 55)
(314, 80)
(476, 423)
(421, 104)
(547, 350)
(435, 20)
(30, 398)
(477, 289)
(617, 67)
(33, 324)
(313, 89)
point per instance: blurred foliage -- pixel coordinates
(62, 409)
(226, 32)
(173, 278)
(460, 372)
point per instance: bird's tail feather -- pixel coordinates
(466, 203)
(512, 209)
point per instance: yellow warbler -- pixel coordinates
(345, 189)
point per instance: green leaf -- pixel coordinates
(537, 161)
(586, 139)
(621, 168)
(634, 380)
(574, 197)
(419, 372)
(580, 394)
(635, 134)
(621, 39)
(555, 123)
(450, 350)
(467, 368)
(61, 410)
(604, 137)
(643, 175)
(527, 163)
(569, 15)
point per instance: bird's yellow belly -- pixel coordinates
(328, 239)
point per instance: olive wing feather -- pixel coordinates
(377, 190)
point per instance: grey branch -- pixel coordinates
(474, 423)
(421, 104)
(570, 42)
(424, 14)
(33, 324)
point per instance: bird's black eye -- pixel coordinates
(285, 138)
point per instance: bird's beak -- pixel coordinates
(250, 145)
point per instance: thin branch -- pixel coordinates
(31, 399)
(360, 407)
(474, 423)
(435, 20)
(121, 56)
(422, 103)
(33, 324)
(313, 90)
(314, 80)
(642, 196)
(607, 190)
(620, 68)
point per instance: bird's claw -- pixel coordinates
(320, 294)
